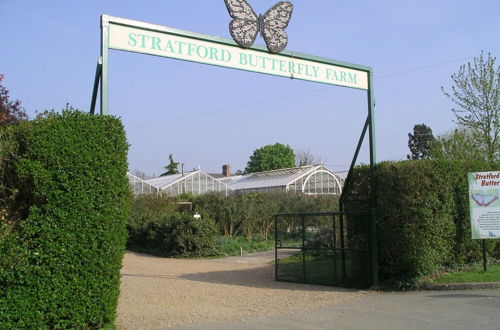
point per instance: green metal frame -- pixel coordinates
(98, 73)
(101, 78)
(338, 248)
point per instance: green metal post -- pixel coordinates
(302, 218)
(485, 262)
(96, 85)
(334, 251)
(104, 70)
(342, 249)
(276, 248)
(373, 181)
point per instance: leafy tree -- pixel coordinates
(270, 205)
(172, 167)
(305, 157)
(476, 94)
(11, 112)
(271, 157)
(420, 142)
(458, 144)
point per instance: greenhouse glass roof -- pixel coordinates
(196, 182)
(165, 181)
(275, 178)
(312, 180)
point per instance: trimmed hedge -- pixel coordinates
(423, 217)
(60, 264)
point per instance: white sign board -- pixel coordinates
(484, 202)
(160, 42)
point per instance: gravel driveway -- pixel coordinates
(162, 292)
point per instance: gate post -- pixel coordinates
(276, 247)
(104, 67)
(303, 223)
(373, 182)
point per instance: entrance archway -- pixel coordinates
(150, 39)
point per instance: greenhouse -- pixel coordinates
(309, 180)
(140, 187)
(196, 183)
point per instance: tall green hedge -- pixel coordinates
(60, 264)
(423, 216)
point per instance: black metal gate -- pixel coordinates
(331, 248)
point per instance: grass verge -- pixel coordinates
(233, 246)
(476, 275)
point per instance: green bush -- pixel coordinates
(245, 221)
(176, 235)
(192, 237)
(423, 216)
(252, 215)
(146, 209)
(60, 264)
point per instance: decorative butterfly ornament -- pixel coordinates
(484, 199)
(246, 24)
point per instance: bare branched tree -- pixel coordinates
(140, 174)
(476, 94)
(305, 157)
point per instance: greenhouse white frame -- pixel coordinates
(309, 180)
(196, 183)
(140, 186)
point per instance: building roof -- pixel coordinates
(275, 178)
(282, 178)
(167, 180)
(217, 175)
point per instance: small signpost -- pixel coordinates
(484, 204)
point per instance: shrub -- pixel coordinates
(146, 209)
(250, 215)
(221, 209)
(253, 214)
(192, 237)
(176, 235)
(423, 216)
(60, 265)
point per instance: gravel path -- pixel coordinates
(163, 292)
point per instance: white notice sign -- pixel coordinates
(484, 202)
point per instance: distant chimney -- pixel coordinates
(226, 170)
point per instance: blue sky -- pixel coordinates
(209, 116)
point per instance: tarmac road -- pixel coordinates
(471, 309)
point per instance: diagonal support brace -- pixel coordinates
(98, 73)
